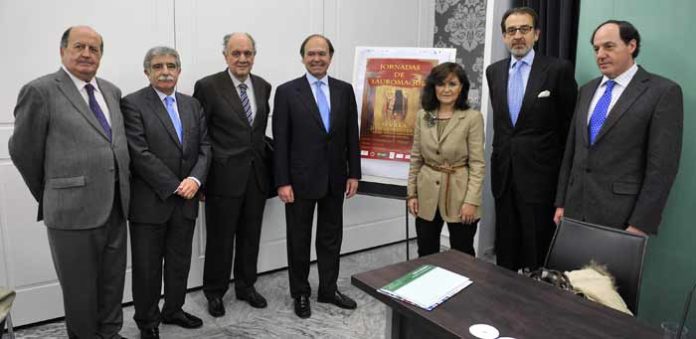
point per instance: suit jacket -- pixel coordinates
(238, 148)
(625, 177)
(64, 155)
(529, 153)
(313, 161)
(460, 144)
(160, 162)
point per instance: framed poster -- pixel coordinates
(388, 84)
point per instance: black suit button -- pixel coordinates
(437, 183)
(588, 170)
(111, 169)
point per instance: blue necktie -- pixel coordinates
(322, 104)
(98, 113)
(245, 102)
(515, 91)
(599, 114)
(169, 102)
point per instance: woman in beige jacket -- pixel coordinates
(446, 172)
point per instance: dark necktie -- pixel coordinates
(245, 102)
(599, 114)
(98, 113)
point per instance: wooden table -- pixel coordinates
(516, 305)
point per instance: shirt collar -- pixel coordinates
(312, 79)
(624, 78)
(237, 82)
(528, 59)
(162, 95)
(79, 83)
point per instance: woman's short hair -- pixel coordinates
(436, 77)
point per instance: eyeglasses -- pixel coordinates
(522, 29)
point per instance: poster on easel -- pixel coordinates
(388, 84)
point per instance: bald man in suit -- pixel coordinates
(70, 146)
(236, 105)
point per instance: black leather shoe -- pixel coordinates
(184, 320)
(215, 307)
(254, 299)
(339, 299)
(302, 308)
(149, 333)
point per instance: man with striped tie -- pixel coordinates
(624, 141)
(236, 105)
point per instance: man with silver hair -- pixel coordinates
(168, 143)
(236, 105)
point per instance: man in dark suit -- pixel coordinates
(70, 146)
(317, 162)
(170, 153)
(532, 97)
(625, 139)
(236, 105)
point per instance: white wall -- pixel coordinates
(30, 31)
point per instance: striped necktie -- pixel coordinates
(245, 102)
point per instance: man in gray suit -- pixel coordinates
(625, 140)
(168, 142)
(70, 146)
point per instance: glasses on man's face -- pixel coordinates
(522, 29)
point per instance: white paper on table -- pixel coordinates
(432, 288)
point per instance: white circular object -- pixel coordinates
(484, 331)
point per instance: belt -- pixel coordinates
(447, 169)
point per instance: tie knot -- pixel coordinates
(518, 65)
(168, 100)
(610, 84)
(89, 88)
(242, 87)
(318, 83)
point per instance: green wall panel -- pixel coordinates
(668, 48)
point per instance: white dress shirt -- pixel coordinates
(80, 84)
(622, 82)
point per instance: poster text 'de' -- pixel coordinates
(390, 101)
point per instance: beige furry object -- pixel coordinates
(597, 284)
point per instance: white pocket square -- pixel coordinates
(544, 94)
